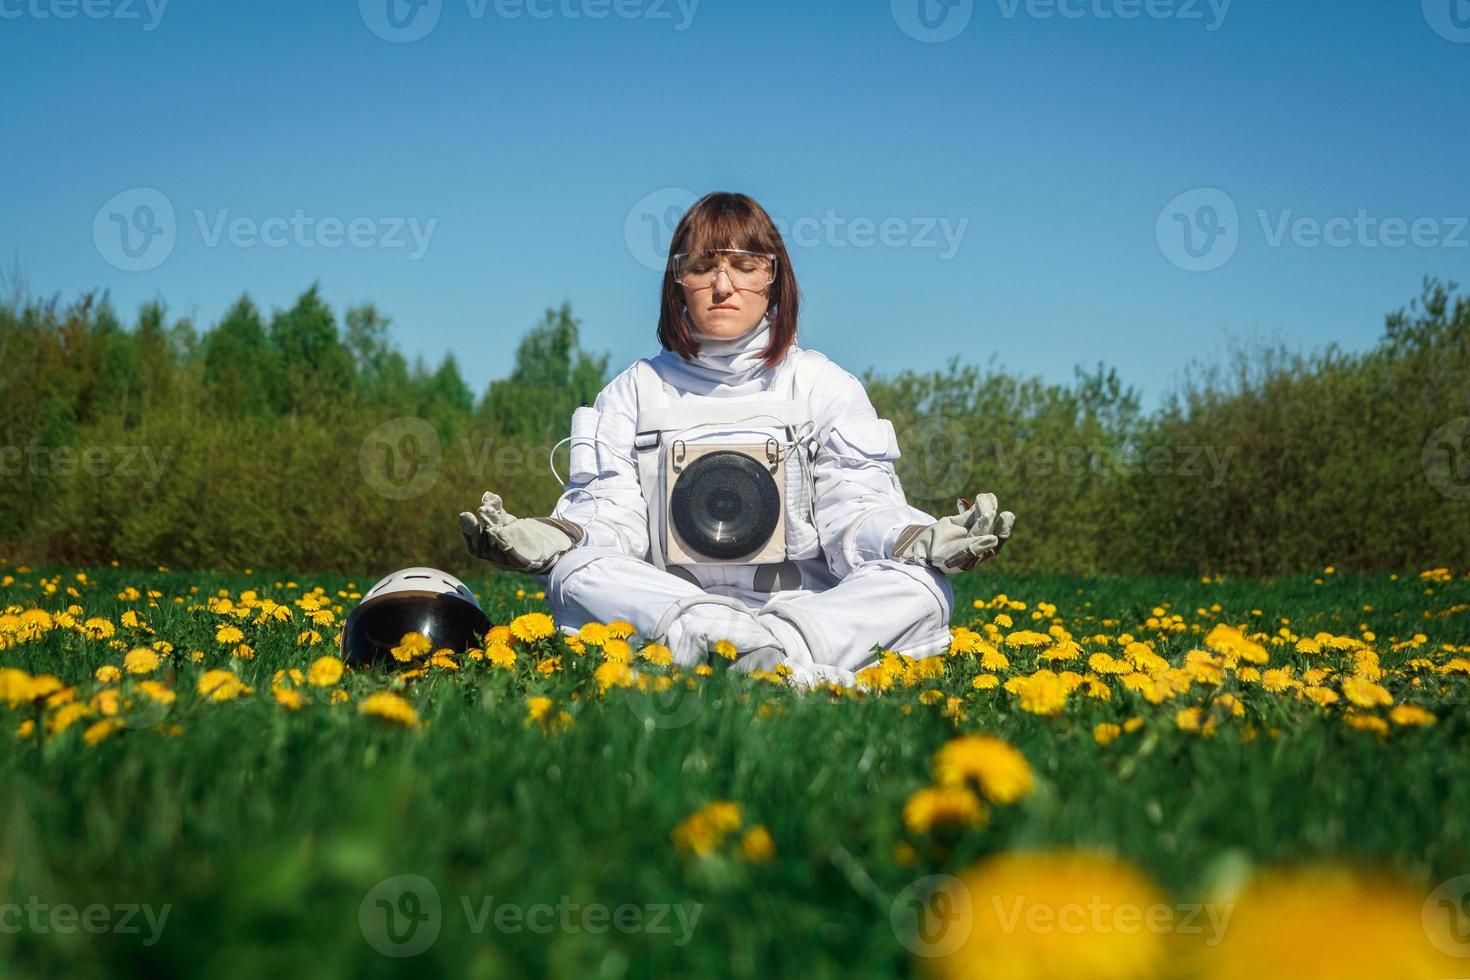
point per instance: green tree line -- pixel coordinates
(295, 441)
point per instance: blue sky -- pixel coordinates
(1056, 183)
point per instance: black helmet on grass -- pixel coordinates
(413, 600)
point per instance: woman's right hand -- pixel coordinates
(517, 544)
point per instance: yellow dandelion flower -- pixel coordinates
(1105, 732)
(657, 654)
(620, 629)
(996, 767)
(288, 698)
(221, 685)
(411, 645)
(594, 633)
(726, 649)
(612, 673)
(391, 707)
(500, 655)
(756, 845)
(1365, 722)
(1328, 923)
(985, 682)
(1364, 693)
(100, 730)
(227, 634)
(617, 650)
(324, 671)
(942, 807)
(108, 674)
(1411, 715)
(1042, 693)
(141, 661)
(532, 626)
(537, 708)
(65, 716)
(157, 692)
(97, 628)
(1099, 947)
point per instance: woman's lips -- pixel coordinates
(729, 309)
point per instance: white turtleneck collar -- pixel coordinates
(724, 367)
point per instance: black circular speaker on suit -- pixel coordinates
(725, 504)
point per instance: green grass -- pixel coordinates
(264, 829)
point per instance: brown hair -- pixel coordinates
(724, 220)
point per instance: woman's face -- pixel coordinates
(716, 306)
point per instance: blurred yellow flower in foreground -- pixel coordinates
(221, 685)
(1331, 924)
(390, 706)
(943, 807)
(1029, 915)
(703, 830)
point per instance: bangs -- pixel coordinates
(730, 226)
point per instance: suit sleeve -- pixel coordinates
(602, 493)
(860, 504)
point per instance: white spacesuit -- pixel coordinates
(833, 600)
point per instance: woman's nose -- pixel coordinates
(729, 285)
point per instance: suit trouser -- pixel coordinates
(880, 605)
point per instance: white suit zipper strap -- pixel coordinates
(730, 412)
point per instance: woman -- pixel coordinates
(739, 487)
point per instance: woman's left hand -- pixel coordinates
(959, 542)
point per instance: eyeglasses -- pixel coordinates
(747, 270)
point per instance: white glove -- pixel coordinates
(960, 541)
(516, 544)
